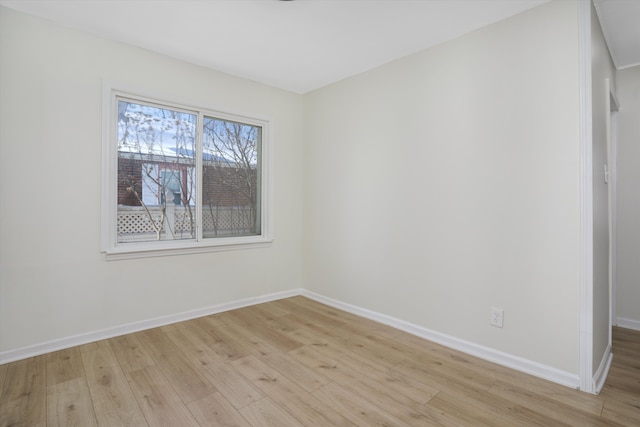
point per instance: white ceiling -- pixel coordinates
(620, 22)
(297, 45)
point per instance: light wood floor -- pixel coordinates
(295, 362)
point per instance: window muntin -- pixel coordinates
(181, 179)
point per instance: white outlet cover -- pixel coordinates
(497, 317)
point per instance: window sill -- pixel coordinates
(123, 251)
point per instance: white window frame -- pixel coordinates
(110, 245)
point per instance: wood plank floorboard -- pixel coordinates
(113, 401)
(69, 404)
(296, 362)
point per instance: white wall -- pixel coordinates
(54, 282)
(447, 182)
(628, 207)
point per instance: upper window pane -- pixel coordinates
(156, 173)
(230, 178)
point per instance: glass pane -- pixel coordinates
(230, 178)
(156, 173)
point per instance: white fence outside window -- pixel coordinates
(134, 223)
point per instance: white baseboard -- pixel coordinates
(628, 323)
(600, 376)
(514, 362)
(85, 338)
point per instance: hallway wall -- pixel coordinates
(628, 207)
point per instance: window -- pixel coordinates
(181, 179)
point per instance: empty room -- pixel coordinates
(319, 212)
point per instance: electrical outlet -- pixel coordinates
(497, 317)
